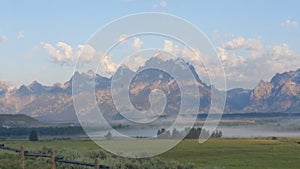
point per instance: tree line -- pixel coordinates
(43, 131)
(189, 133)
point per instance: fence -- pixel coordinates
(54, 159)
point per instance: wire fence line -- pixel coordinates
(54, 159)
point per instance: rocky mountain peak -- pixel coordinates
(281, 94)
(281, 78)
(3, 88)
(23, 91)
(91, 73)
(3, 84)
(262, 90)
(35, 84)
(36, 88)
(290, 88)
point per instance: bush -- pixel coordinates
(274, 138)
(108, 136)
(33, 136)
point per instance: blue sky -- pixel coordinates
(26, 26)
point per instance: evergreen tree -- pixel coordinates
(33, 136)
(108, 136)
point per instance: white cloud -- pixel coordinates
(134, 62)
(64, 53)
(2, 38)
(171, 48)
(282, 51)
(281, 58)
(107, 65)
(61, 52)
(86, 52)
(240, 42)
(137, 43)
(66, 50)
(245, 61)
(230, 59)
(191, 55)
(168, 45)
(245, 68)
(290, 24)
(21, 35)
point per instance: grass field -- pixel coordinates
(261, 153)
(239, 153)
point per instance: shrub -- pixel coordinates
(33, 136)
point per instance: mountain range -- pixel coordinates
(55, 103)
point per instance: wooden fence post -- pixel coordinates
(53, 166)
(96, 164)
(22, 158)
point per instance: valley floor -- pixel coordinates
(224, 153)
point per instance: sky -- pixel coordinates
(254, 39)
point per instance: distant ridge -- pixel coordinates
(18, 120)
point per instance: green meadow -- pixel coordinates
(219, 153)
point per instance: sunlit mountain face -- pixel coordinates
(55, 103)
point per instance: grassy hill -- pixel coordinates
(18, 120)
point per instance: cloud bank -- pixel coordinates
(63, 53)
(246, 61)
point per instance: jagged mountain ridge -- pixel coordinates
(51, 103)
(55, 102)
(281, 94)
